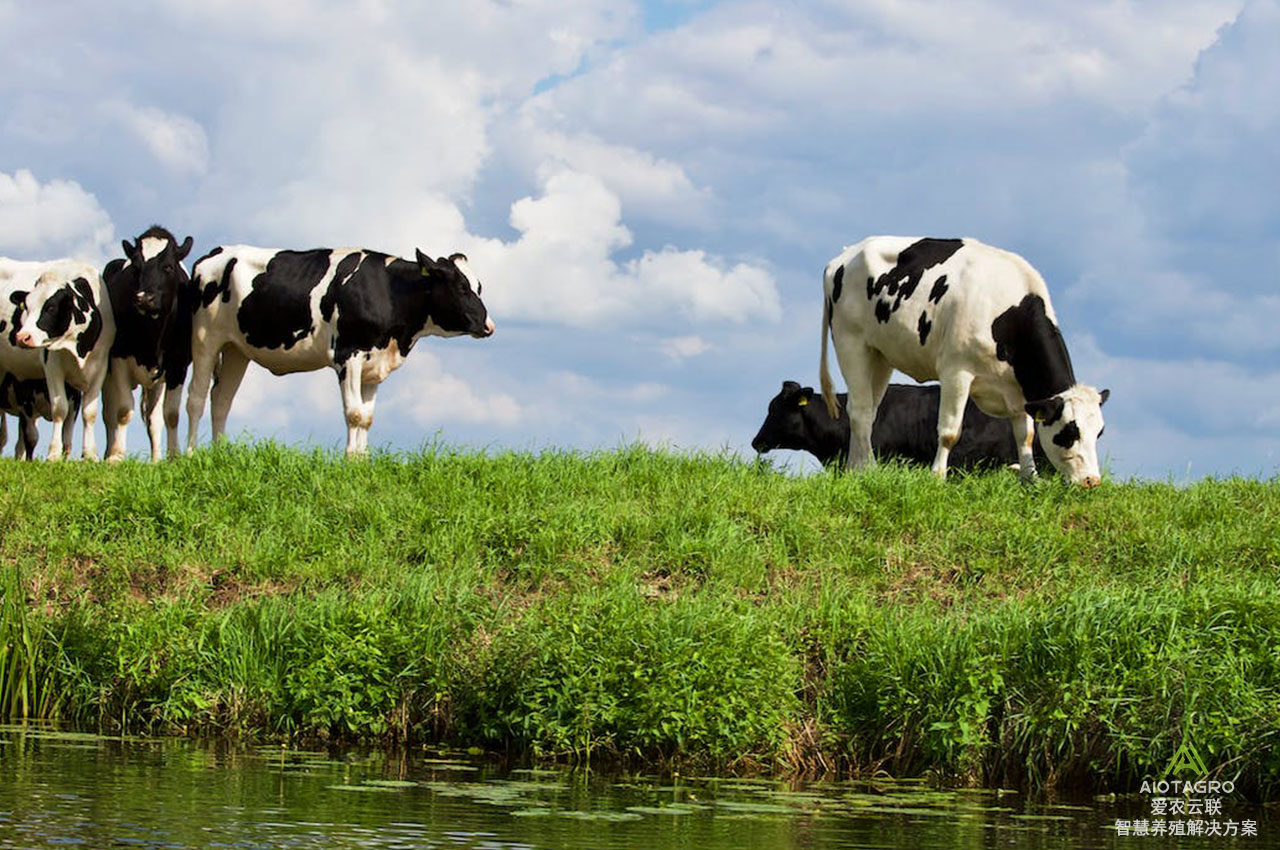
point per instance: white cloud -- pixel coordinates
(679, 348)
(177, 141)
(1186, 252)
(562, 267)
(429, 395)
(47, 220)
(647, 185)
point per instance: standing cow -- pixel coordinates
(357, 312)
(59, 328)
(975, 318)
(29, 400)
(905, 428)
(152, 300)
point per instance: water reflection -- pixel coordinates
(61, 789)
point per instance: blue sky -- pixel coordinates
(650, 191)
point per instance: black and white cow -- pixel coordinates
(358, 312)
(153, 300)
(975, 318)
(58, 326)
(905, 428)
(28, 400)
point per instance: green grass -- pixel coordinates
(655, 607)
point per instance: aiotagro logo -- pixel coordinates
(1186, 802)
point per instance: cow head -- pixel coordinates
(1070, 424)
(156, 259)
(784, 426)
(456, 307)
(57, 310)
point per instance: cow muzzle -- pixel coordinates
(25, 339)
(488, 330)
(1090, 481)
(147, 304)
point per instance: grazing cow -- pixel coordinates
(60, 328)
(905, 428)
(29, 400)
(975, 318)
(152, 299)
(358, 312)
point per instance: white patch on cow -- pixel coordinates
(381, 363)
(465, 268)
(152, 247)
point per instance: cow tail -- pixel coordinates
(824, 374)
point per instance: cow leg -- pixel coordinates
(1024, 434)
(90, 402)
(117, 410)
(952, 399)
(866, 374)
(153, 413)
(29, 437)
(368, 393)
(172, 409)
(68, 426)
(56, 382)
(350, 376)
(230, 374)
(202, 363)
(4, 436)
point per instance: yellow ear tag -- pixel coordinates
(1038, 417)
(803, 402)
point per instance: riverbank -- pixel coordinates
(656, 608)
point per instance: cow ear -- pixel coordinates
(185, 248)
(423, 260)
(113, 268)
(129, 250)
(1103, 396)
(789, 388)
(1046, 410)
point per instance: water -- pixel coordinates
(59, 790)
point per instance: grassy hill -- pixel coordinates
(653, 607)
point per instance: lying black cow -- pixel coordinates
(905, 427)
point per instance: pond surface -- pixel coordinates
(59, 789)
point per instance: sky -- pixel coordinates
(649, 191)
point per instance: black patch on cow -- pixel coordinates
(1027, 339)
(900, 282)
(923, 327)
(86, 308)
(16, 298)
(837, 284)
(939, 289)
(277, 312)
(883, 311)
(346, 266)
(212, 289)
(55, 313)
(1046, 411)
(1067, 437)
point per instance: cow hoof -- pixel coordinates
(115, 458)
(53, 457)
